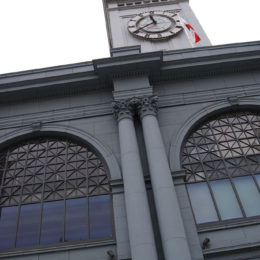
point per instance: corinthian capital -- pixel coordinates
(124, 109)
(147, 106)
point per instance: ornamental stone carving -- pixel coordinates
(123, 109)
(147, 106)
(142, 106)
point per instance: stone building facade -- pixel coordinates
(152, 153)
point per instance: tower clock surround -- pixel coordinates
(155, 25)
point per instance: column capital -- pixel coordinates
(124, 108)
(147, 106)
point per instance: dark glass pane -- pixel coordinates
(76, 219)
(8, 218)
(28, 229)
(100, 216)
(52, 222)
(226, 200)
(202, 203)
(249, 195)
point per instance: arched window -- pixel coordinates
(53, 190)
(222, 162)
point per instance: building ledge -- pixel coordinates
(55, 248)
(158, 66)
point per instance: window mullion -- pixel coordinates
(65, 191)
(230, 177)
(237, 196)
(43, 188)
(256, 183)
(17, 225)
(209, 186)
(4, 171)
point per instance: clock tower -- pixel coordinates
(154, 25)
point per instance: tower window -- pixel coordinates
(53, 191)
(222, 162)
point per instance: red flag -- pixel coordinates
(191, 31)
(197, 38)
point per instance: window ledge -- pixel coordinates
(55, 248)
(215, 252)
(231, 224)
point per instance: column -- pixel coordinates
(138, 215)
(173, 235)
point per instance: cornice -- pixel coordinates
(125, 4)
(209, 61)
(159, 66)
(56, 72)
(59, 80)
(129, 65)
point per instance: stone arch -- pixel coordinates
(199, 116)
(105, 152)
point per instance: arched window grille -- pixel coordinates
(222, 162)
(52, 190)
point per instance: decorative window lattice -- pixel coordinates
(222, 162)
(225, 147)
(47, 169)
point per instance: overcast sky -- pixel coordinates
(43, 33)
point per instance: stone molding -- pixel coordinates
(242, 92)
(142, 106)
(58, 115)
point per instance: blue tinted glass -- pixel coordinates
(28, 228)
(226, 200)
(8, 217)
(76, 219)
(202, 204)
(52, 222)
(248, 194)
(100, 216)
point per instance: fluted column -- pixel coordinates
(138, 215)
(173, 235)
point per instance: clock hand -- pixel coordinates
(151, 17)
(143, 27)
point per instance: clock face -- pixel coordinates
(155, 25)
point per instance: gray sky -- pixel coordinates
(43, 33)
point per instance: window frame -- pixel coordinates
(89, 242)
(244, 220)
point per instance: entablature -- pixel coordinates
(158, 66)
